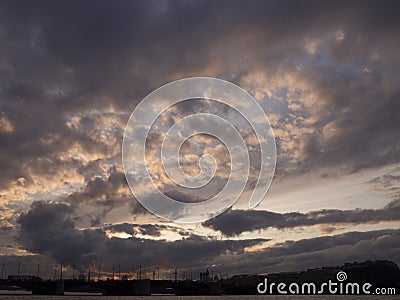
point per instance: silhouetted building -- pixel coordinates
(205, 276)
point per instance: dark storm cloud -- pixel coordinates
(321, 251)
(123, 227)
(59, 59)
(48, 228)
(192, 252)
(102, 195)
(364, 112)
(102, 190)
(234, 222)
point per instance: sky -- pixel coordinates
(326, 73)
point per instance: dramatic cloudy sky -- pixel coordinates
(327, 73)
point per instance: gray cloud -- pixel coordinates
(100, 196)
(49, 229)
(70, 74)
(234, 222)
(321, 251)
(288, 256)
(115, 54)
